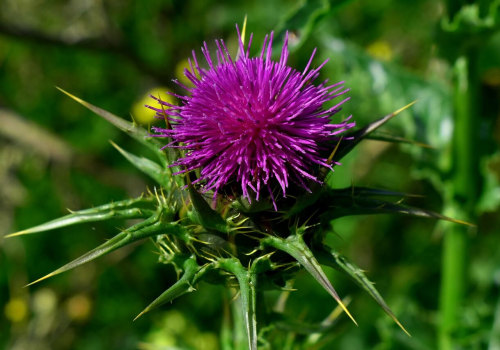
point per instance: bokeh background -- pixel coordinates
(54, 155)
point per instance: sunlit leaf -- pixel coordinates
(350, 140)
(126, 209)
(158, 173)
(339, 262)
(184, 285)
(147, 228)
(129, 128)
(296, 247)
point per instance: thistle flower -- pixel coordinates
(252, 120)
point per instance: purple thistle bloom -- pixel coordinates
(252, 120)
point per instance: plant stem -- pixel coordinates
(459, 202)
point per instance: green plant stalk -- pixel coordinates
(494, 342)
(459, 202)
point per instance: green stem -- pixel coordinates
(494, 342)
(459, 203)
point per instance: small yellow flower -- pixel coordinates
(380, 50)
(16, 310)
(79, 307)
(179, 73)
(145, 116)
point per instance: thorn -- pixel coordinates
(68, 94)
(18, 233)
(140, 314)
(403, 108)
(346, 311)
(41, 279)
(330, 158)
(243, 33)
(244, 29)
(402, 327)
(133, 119)
(456, 221)
(252, 252)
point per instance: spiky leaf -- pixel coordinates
(162, 175)
(344, 202)
(383, 136)
(184, 285)
(350, 140)
(339, 262)
(126, 209)
(296, 247)
(129, 128)
(147, 228)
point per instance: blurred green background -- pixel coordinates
(54, 155)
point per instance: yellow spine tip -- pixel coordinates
(347, 312)
(15, 234)
(405, 107)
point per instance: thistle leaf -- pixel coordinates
(360, 191)
(247, 281)
(152, 169)
(209, 218)
(133, 130)
(115, 210)
(295, 246)
(382, 136)
(339, 262)
(310, 199)
(147, 228)
(182, 286)
(347, 204)
(350, 140)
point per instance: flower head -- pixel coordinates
(252, 120)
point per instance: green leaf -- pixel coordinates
(361, 191)
(350, 140)
(310, 199)
(209, 218)
(116, 210)
(295, 246)
(147, 228)
(383, 136)
(344, 202)
(247, 280)
(158, 173)
(339, 262)
(129, 128)
(182, 286)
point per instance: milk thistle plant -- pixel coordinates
(241, 167)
